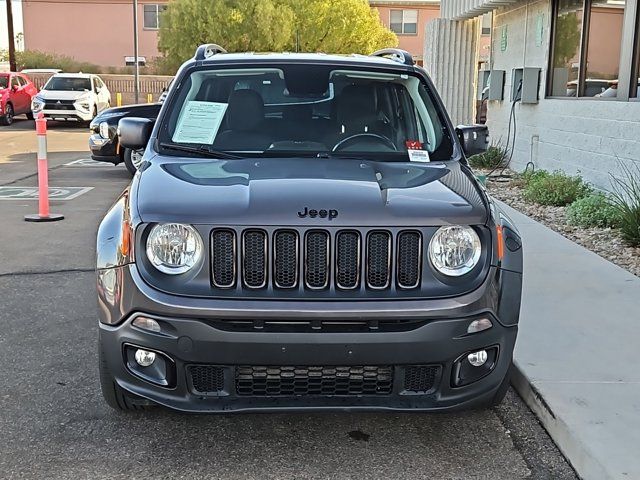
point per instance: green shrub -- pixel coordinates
(626, 199)
(595, 210)
(555, 188)
(529, 176)
(495, 156)
(37, 59)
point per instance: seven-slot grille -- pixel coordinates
(316, 259)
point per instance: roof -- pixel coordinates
(74, 75)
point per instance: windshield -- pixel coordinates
(68, 84)
(4, 81)
(300, 110)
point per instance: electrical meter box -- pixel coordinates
(483, 83)
(525, 84)
(496, 84)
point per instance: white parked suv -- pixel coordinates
(72, 96)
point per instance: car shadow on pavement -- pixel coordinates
(21, 123)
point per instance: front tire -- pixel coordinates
(7, 118)
(114, 395)
(30, 115)
(132, 160)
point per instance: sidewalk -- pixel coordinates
(578, 350)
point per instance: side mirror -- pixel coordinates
(16, 88)
(134, 132)
(474, 138)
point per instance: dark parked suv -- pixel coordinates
(304, 232)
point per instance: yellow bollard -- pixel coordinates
(118, 99)
(149, 98)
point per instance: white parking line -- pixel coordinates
(86, 162)
(31, 193)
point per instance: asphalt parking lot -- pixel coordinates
(54, 424)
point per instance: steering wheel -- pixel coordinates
(375, 136)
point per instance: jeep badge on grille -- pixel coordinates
(330, 214)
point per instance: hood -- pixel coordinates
(61, 94)
(271, 191)
(145, 110)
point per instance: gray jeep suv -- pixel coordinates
(304, 233)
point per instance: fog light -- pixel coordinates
(479, 325)
(146, 324)
(477, 359)
(144, 358)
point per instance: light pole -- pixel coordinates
(136, 71)
(12, 47)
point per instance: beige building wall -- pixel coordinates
(88, 30)
(427, 11)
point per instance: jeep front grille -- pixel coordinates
(223, 257)
(285, 259)
(348, 260)
(408, 263)
(316, 260)
(378, 259)
(254, 258)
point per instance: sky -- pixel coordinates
(17, 23)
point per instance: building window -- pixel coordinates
(404, 22)
(152, 15)
(586, 48)
(486, 24)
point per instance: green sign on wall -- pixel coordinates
(539, 29)
(503, 38)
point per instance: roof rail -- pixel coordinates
(208, 50)
(395, 54)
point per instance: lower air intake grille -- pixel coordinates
(254, 258)
(206, 378)
(292, 380)
(223, 252)
(378, 259)
(420, 378)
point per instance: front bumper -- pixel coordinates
(68, 115)
(195, 335)
(103, 149)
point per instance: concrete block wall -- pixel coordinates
(586, 136)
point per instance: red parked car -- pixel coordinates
(16, 91)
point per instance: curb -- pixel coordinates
(572, 447)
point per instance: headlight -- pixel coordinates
(455, 250)
(104, 130)
(174, 248)
(37, 104)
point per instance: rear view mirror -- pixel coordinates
(134, 132)
(474, 138)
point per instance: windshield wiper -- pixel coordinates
(363, 156)
(204, 150)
